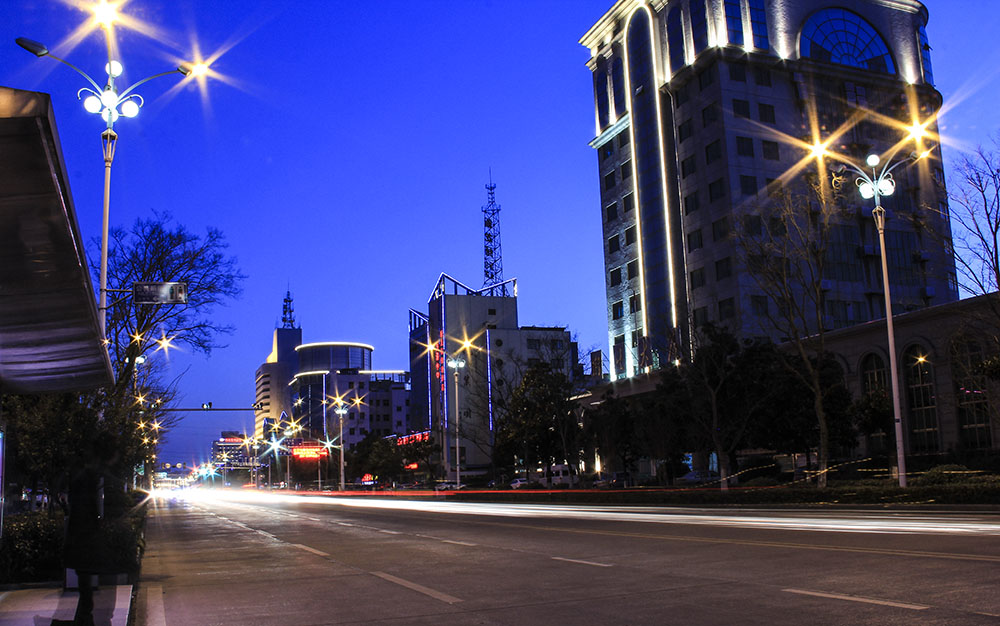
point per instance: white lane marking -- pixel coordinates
(155, 615)
(388, 532)
(457, 543)
(315, 519)
(837, 596)
(266, 534)
(427, 591)
(344, 524)
(308, 549)
(123, 600)
(559, 558)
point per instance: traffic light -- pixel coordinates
(206, 405)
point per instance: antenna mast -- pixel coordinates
(493, 254)
(287, 311)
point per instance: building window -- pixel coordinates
(688, 166)
(713, 151)
(634, 304)
(601, 90)
(700, 316)
(741, 108)
(618, 89)
(734, 21)
(675, 39)
(738, 72)
(616, 276)
(972, 396)
(699, 25)
(770, 150)
(617, 310)
(630, 235)
(684, 131)
(845, 38)
(716, 190)
(706, 78)
(694, 240)
(723, 268)
(744, 146)
(873, 373)
(762, 76)
(623, 138)
(697, 278)
(925, 55)
(609, 181)
(709, 115)
(633, 269)
(681, 95)
(758, 304)
(626, 170)
(611, 211)
(628, 203)
(921, 400)
(691, 203)
(753, 225)
(758, 24)
(613, 244)
(766, 113)
(607, 151)
(748, 185)
(720, 229)
(727, 309)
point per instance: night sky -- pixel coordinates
(343, 149)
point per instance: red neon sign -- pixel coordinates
(410, 466)
(414, 438)
(308, 452)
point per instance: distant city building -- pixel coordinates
(273, 376)
(480, 327)
(230, 449)
(698, 105)
(298, 385)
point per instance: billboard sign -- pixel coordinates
(159, 293)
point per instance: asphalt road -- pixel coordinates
(323, 560)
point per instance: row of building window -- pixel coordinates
(618, 308)
(631, 269)
(615, 240)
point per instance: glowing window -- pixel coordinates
(921, 400)
(734, 21)
(845, 38)
(699, 25)
(675, 39)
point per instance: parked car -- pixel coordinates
(517, 483)
(444, 486)
(698, 477)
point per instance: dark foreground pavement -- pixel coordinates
(329, 561)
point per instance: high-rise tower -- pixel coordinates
(492, 250)
(699, 105)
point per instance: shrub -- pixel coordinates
(944, 474)
(32, 547)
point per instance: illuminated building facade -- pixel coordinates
(272, 395)
(230, 450)
(703, 109)
(376, 401)
(480, 326)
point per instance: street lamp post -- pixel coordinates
(457, 364)
(110, 104)
(341, 411)
(876, 185)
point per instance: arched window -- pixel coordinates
(618, 85)
(699, 25)
(921, 400)
(925, 55)
(873, 373)
(842, 37)
(675, 39)
(601, 94)
(971, 396)
(758, 25)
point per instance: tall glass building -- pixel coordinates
(704, 108)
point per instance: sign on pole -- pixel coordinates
(159, 293)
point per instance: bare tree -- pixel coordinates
(785, 244)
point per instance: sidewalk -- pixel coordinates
(39, 606)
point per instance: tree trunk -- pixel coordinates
(824, 431)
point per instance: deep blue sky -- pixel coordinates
(346, 157)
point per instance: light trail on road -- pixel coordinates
(825, 521)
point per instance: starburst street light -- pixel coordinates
(110, 103)
(874, 184)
